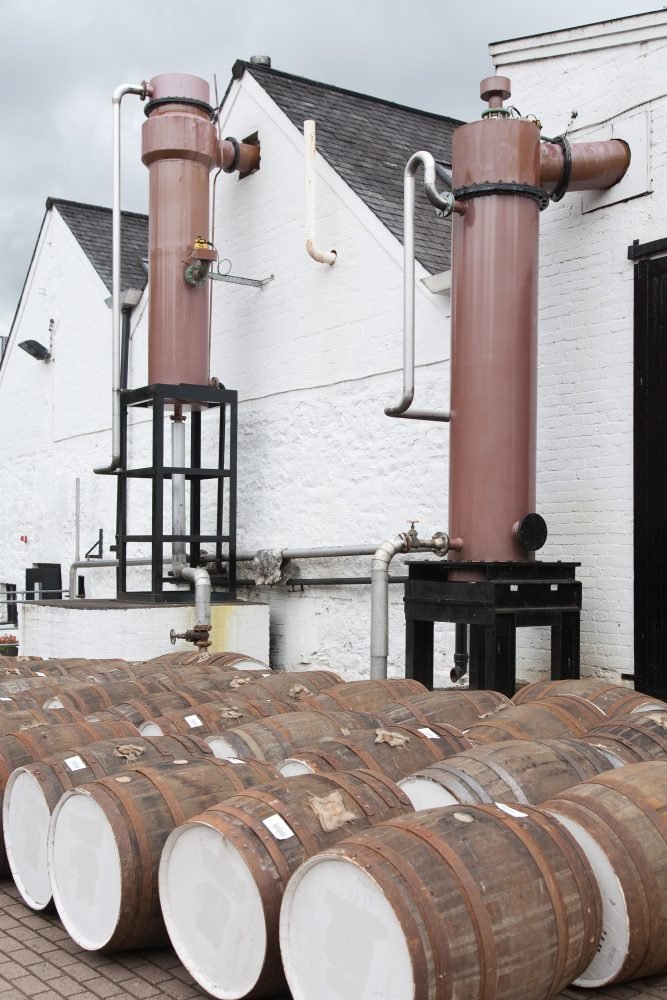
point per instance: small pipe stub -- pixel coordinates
(531, 532)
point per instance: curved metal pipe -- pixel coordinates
(142, 90)
(403, 542)
(321, 256)
(445, 203)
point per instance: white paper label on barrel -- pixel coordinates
(510, 811)
(39, 673)
(75, 763)
(235, 760)
(193, 721)
(278, 827)
(6, 699)
(429, 734)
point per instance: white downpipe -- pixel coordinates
(142, 90)
(178, 493)
(310, 149)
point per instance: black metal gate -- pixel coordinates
(650, 469)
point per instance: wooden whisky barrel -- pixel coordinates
(362, 696)
(638, 738)
(527, 771)
(286, 685)
(89, 698)
(392, 750)
(20, 719)
(466, 901)
(452, 707)
(138, 710)
(276, 738)
(613, 698)
(195, 658)
(34, 790)
(106, 837)
(211, 718)
(563, 715)
(25, 746)
(620, 822)
(222, 875)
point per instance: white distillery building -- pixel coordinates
(316, 355)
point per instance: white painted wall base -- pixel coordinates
(100, 629)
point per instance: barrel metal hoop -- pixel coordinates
(503, 187)
(562, 755)
(474, 903)
(247, 821)
(556, 899)
(277, 805)
(392, 858)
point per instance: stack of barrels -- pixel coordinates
(346, 840)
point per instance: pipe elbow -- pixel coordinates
(321, 256)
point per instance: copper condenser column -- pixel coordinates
(179, 149)
(496, 171)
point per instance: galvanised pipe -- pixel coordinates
(178, 493)
(142, 90)
(403, 542)
(445, 202)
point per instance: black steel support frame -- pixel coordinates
(504, 597)
(158, 397)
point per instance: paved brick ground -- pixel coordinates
(39, 960)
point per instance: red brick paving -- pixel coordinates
(40, 961)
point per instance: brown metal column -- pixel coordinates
(494, 333)
(179, 149)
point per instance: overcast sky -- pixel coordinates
(61, 59)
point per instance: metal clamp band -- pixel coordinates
(561, 188)
(504, 187)
(237, 153)
(158, 102)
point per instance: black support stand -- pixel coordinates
(195, 399)
(503, 597)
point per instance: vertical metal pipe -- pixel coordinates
(141, 89)
(178, 491)
(77, 520)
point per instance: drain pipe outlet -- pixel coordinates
(321, 256)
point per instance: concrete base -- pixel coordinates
(101, 629)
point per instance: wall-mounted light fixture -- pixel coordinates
(35, 350)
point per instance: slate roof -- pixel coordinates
(91, 226)
(368, 141)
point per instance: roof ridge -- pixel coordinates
(51, 202)
(241, 65)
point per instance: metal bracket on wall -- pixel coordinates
(99, 545)
(234, 279)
